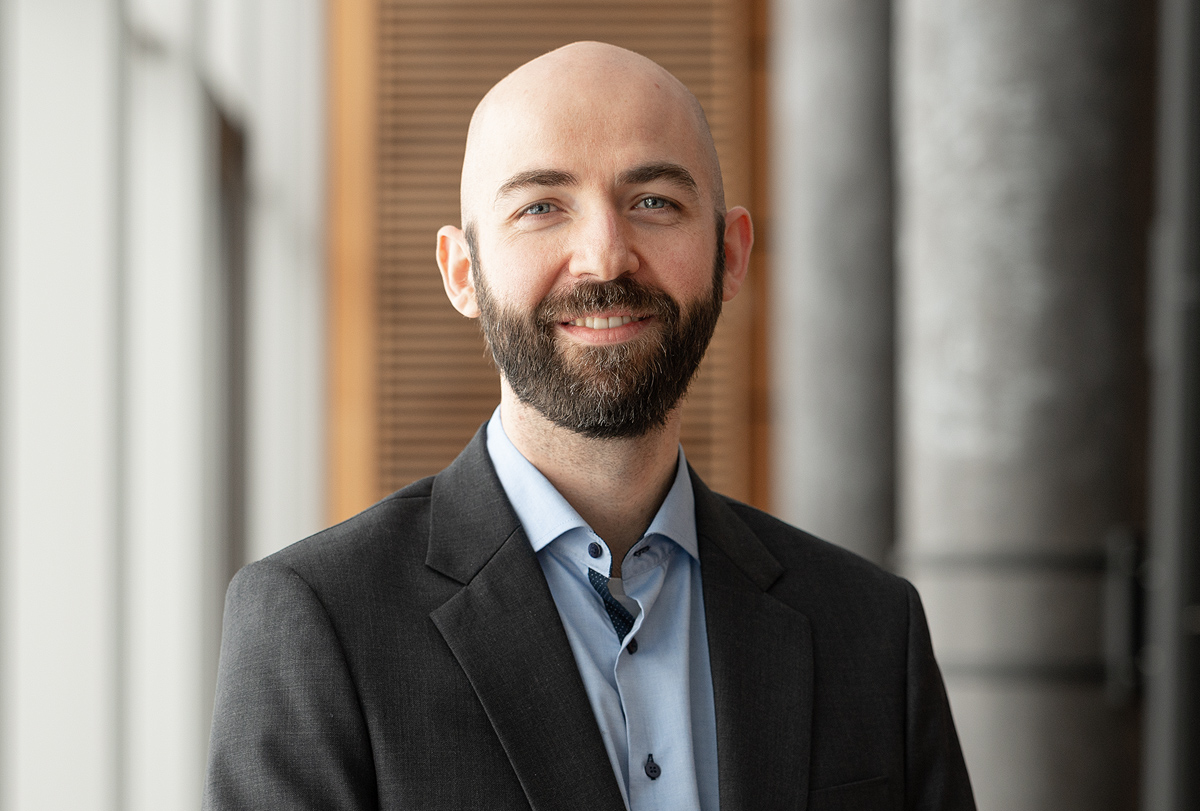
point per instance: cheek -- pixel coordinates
(521, 276)
(684, 271)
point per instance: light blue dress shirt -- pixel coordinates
(652, 691)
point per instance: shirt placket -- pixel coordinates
(647, 777)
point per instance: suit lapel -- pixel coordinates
(760, 653)
(505, 632)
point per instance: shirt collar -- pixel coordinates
(546, 515)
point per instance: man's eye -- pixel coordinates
(539, 208)
(653, 202)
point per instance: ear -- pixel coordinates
(739, 239)
(454, 261)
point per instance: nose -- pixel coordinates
(602, 250)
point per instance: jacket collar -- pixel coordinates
(470, 517)
(505, 632)
(760, 655)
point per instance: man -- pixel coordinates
(566, 617)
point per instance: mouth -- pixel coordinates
(603, 322)
(605, 329)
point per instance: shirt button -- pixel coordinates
(594, 549)
(653, 770)
(632, 646)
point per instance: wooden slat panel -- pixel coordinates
(760, 260)
(433, 381)
(353, 439)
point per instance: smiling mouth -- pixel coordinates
(606, 322)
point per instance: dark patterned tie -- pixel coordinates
(622, 620)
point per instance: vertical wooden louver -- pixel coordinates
(433, 382)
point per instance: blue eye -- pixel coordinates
(539, 208)
(653, 202)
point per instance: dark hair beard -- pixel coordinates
(603, 392)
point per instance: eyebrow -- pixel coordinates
(646, 173)
(670, 172)
(535, 177)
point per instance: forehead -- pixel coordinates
(595, 130)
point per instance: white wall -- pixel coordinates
(287, 272)
(59, 312)
(113, 442)
(173, 335)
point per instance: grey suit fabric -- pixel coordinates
(412, 658)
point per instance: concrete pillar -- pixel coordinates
(1020, 250)
(831, 270)
(1171, 780)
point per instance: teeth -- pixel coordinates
(604, 323)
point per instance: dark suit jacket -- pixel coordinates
(412, 658)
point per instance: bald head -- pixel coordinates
(586, 101)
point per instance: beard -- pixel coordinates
(602, 392)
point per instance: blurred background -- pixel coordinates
(969, 350)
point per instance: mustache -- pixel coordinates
(624, 293)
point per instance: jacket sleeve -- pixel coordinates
(935, 773)
(288, 730)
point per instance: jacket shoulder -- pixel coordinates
(380, 549)
(400, 517)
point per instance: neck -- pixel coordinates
(616, 485)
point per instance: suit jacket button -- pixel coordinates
(594, 549)
(653, 770)
(632, 648)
